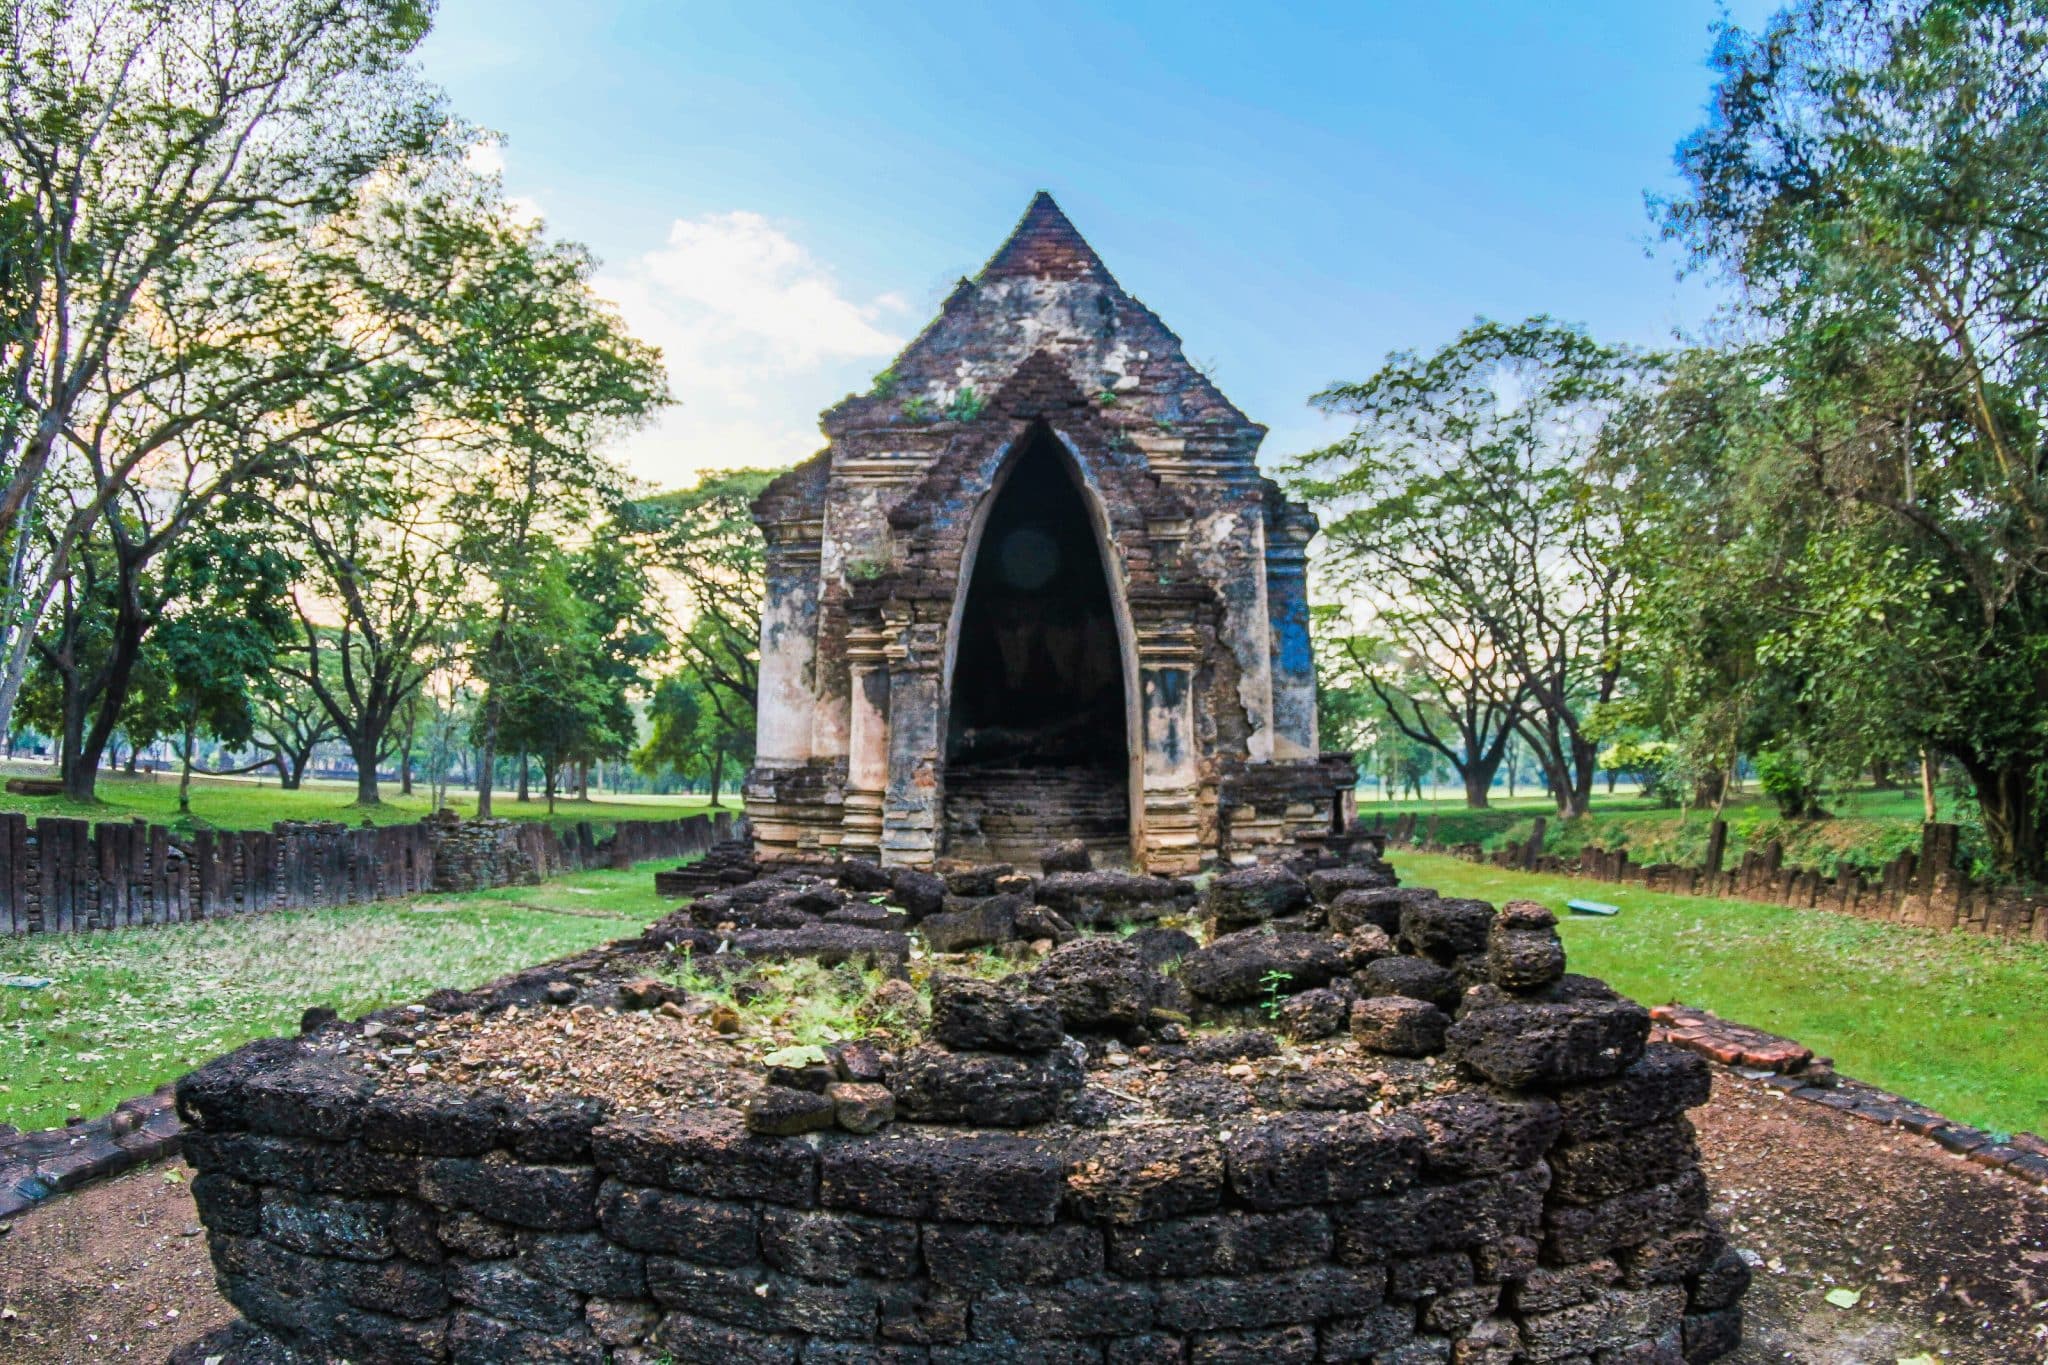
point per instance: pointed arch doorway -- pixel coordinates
(1040, 697)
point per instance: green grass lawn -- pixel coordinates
(1953, 1020)
(131, 1009)
(256, 803)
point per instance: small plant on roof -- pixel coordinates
(885, 384)
(966, 405)
(1272, 982)
(917, 408)
(1107, 398)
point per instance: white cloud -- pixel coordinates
(758, 336)
(485, 158)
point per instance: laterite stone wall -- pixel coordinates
(1550, 1221)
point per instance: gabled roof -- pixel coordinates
(1045, 291)
(1046, 246)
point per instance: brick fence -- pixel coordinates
(1924, 888)
(62, 875)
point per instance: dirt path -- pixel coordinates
(1951, 1260)
(117, 1271)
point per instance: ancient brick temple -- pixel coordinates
(1036, 588)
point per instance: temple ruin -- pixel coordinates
(1036, 588)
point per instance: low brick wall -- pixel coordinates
(1924, 888)
(60, 875)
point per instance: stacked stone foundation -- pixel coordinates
(1566, 1224)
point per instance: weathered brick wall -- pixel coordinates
(62, 875)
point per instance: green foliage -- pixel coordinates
(1787, 778)
(575, 635)
(1648, 761)
(691, 738)
(966, 405)
(801, 1000)
(885, 384)
(1271, 985)
(917, 408)
(1868, 474)
(267, 272)
(1376, 724)
(865, 568)
(705, 535)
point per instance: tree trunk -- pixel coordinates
(2015, 819)
(185, 770)
(405, 762)
(717, 772)
(78, 784)
(365, 751)
(548, 783)
(111, 693)
(15, 667)
(1927, 785)
(1585, 764)
(80, 771)
(1478, 787)
(525, 775)
(486, 754)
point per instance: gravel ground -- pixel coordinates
(1950, 1260)
(117, 1271)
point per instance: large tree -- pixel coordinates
(215, 600)
(579, 632)
(1463, 516)
(568, 376)
(288, 722)
(378, 607)
(396, 305)
(160, 166)
(1872, 176)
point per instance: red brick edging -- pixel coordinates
(34, 1166)
(1793, 1069)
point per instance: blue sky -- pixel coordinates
(782, 193)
